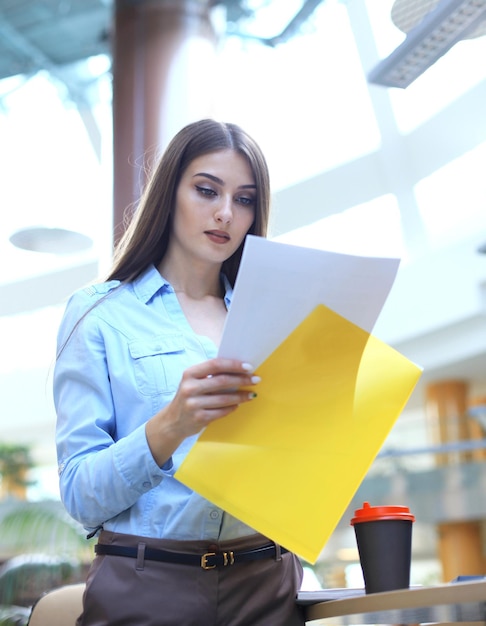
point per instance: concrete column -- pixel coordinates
(164, 54)
(446, 409)
(461, 549)
(460, 543)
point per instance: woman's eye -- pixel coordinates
(246, 201)
(205, 191)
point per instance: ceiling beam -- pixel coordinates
(457, 129)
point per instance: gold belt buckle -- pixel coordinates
(204, 560)
(228, 559)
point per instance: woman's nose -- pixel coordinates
(224, 213)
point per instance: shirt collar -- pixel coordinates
(228, 291)
(150, 282)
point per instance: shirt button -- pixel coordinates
(214, 515)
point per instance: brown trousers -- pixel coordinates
(123, 591)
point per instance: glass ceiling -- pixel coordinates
(306, 101)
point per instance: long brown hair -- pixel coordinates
(146, 239)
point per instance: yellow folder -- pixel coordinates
(289, 462)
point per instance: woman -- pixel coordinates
(137, 378)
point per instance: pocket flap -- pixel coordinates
(159, 344)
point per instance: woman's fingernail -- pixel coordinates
(248, 367)
(255, 379)
(252, 395)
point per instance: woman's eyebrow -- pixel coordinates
(221, 182)
(211, 177)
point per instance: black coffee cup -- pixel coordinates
(384, 539)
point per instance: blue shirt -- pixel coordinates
(123, 349)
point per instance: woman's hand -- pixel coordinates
(208, 391)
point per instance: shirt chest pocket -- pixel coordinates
(158, 363)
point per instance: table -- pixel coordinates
(463, 602)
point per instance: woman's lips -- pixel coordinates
(218, 236)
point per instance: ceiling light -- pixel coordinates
(51, 240)
(441, 28)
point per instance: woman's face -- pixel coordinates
(215, 206)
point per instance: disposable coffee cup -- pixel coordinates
(384, 539)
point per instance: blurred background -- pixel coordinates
(372, 116)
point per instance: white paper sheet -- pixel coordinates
(278, 285)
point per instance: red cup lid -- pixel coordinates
(376, 513)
